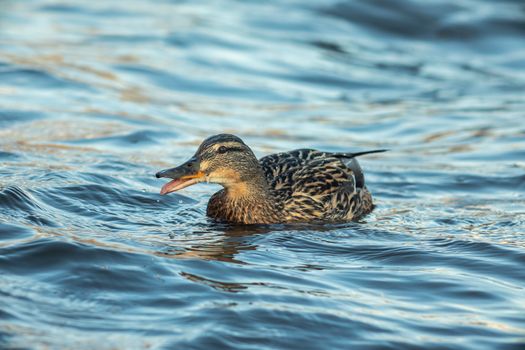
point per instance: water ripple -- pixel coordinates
(95, 97)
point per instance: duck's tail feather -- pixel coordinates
(351, 162)
(357, 154)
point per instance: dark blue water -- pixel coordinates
(96, 96)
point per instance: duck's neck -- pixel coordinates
(252, 189)
(248, 202)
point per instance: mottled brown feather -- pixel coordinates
(299, 186)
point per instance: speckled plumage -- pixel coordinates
(316, 186)
(299, 186)
(304, 185)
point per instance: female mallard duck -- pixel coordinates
(304, 185)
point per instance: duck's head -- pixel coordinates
(223, 159)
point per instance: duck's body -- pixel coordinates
(299, 186)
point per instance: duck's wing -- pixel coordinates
(282, 164)
(278, 164)
(318, 185)
(324, 189)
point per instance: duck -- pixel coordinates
(299, 186)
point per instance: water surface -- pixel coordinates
(96, 96)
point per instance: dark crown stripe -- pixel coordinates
(221, 138)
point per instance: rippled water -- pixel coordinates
(96, 96)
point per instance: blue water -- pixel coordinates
(97, 96)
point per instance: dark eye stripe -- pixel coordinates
(224, 149)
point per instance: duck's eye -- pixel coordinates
(222, 149)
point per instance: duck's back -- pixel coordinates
(317, 186)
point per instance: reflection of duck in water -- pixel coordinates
(299, 186)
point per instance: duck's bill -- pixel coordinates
(179, 184)
(183, 176)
